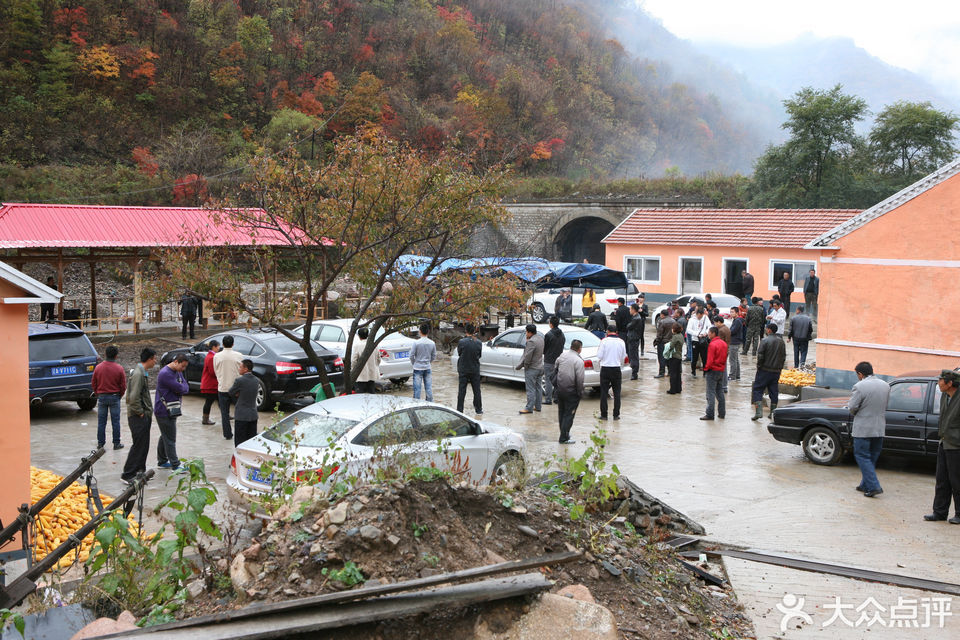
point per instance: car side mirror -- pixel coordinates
(477, 429)
(489, 343)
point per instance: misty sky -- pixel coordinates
(922, 35)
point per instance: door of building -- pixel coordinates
(732, 276)
(691, 275)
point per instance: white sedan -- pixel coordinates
(724, 303)
(501, 355)
(358, 434)
(395, 349)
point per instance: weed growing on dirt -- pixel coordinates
(419, 529)
(589, 482)
(348, 576)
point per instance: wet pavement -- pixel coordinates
(744, 487)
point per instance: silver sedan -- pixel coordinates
(500, 356)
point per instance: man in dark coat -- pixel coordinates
(948, 451)
(756, 318)
(664, 333)
(553, 342)
(563, 307)
(747, 284)
(244, 393)
(771, 355)
(634, 338)
(801, 331)
(621, 316)
(188, 313)
(785, 288)
(597, 322)
(811, 292)
(469, 350)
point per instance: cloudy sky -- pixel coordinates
(920, 35)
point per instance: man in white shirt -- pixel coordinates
(778, 317)
(226, 364)
(370, 368)
(610, 356)
(697, 327)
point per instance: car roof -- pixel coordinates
(52, 328)
(360, 406)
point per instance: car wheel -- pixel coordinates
(87, 404)
(399, 381)
(264, 401)
(509, 466)
(538, 312)
(822, 446)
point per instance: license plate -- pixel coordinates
(400, 355)
(311, 369)
(63, 371)
(254, 475)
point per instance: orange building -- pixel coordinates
(889, 283)
(17, 290)
(677, 251)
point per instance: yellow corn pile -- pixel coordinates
(64, 515)
(797, 378)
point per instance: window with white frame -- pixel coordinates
(799, 271)
(643, 268)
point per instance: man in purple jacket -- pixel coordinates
(171, 387)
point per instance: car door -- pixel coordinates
(195, 360)
(332, 337)
(906, 416)
(391, 443)
(452, 442)
(933, 420)
(502, 355)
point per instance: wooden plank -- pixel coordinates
(311, 619)
(839, 570)
(703, 575)
(382, 589)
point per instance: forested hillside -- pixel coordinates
(127, 95)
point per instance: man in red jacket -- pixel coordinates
(714, 373)
(109, 383)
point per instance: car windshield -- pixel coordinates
(587, 338)
(59, 347)
(309, 429)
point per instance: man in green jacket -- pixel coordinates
(756, 318)
(948, 453)
(771, 355)
(139, 415)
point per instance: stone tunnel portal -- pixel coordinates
(581, 238)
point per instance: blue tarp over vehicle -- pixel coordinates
(543, 273)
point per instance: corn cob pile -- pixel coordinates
(797, 378)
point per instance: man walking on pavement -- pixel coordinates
(568, 377)
(714, 373)
(786, 287)
(422, 355)
(611, 355)
(748, 284)
(811, 292)
(532, 365)
(635, 339)
(948, 451)
(244, 394)
(469, 350)
(226, 365)
(736, 338)
(868, 404)
(801, 330)
(771, 355)
(664, 333)
(109, 383)
(188, 313)
(139, 416)
(552, 348)
(755, 324)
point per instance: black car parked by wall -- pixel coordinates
(280, 365)
(822, 427)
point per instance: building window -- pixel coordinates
(643, 268)
(799, 271)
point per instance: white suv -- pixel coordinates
(542, 303)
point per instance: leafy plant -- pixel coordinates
(14, 617)
(349, 575)
(431, 559)
(419, 529)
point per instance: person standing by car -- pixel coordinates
(697, 328)
(786, 288)
(244, 393)
(568, 377)
(370, 369)
(171, 387)
(635, 339)
(755, 325)
(552, 348)
(563, 307)
(422, 355)
(226, 364)
(139, 416)
(771, 355)
(621, 316)
(586, 303)
(188, 313)
(948, 451)
(664, 332)
(801, 330)
(673, 354)
(611, 354)
(208, 382)
(868, 404)
(811, 292)
(748, 284)
(532, 365)
(736, 338)
(469, 350)
(714, 372)
(597, 322)
(109, 382)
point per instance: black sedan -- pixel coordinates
(280, 365)
(822, 427)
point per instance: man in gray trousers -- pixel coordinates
(244, 393)
(868, 404)
(532, 365)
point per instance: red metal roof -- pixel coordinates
(71, 225)
(790, 228)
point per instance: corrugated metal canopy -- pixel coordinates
(44, 226)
